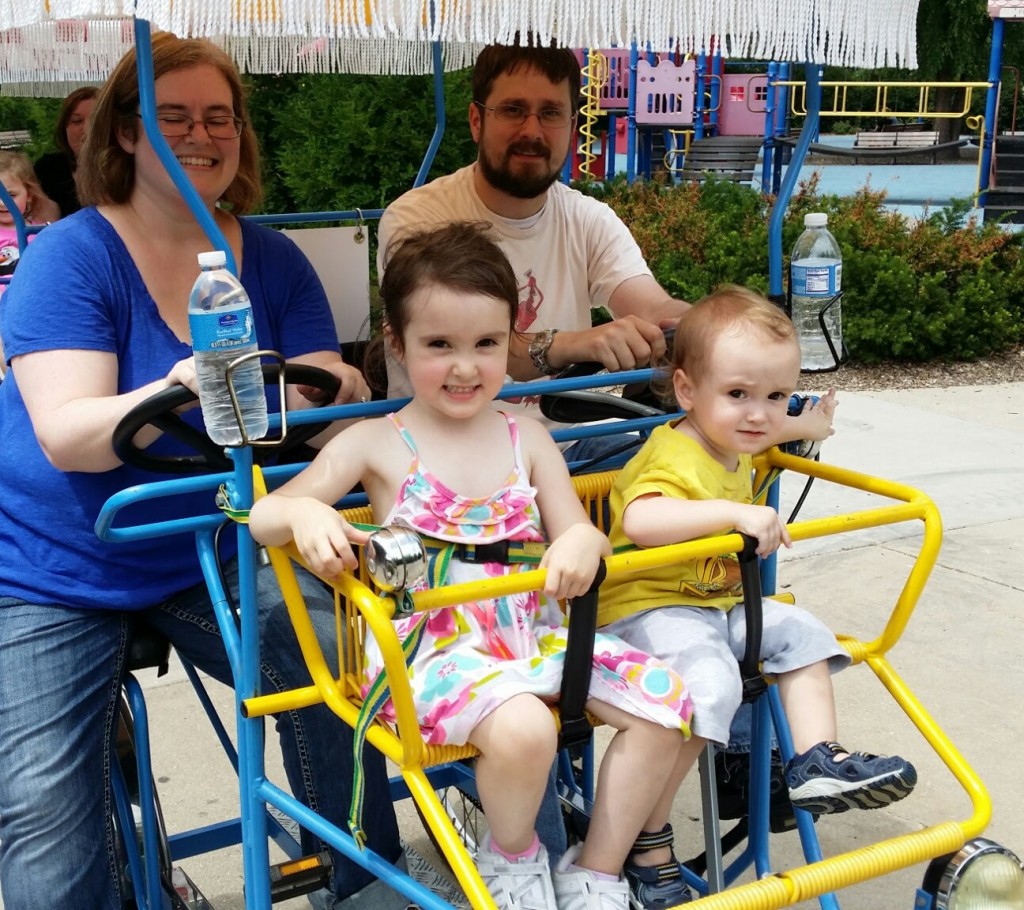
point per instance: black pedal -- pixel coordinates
(296, 877)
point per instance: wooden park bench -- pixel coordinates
(903, 144)
(731, 158)
(925, 140)
(875, 140)
(14, 139)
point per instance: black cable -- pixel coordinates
(220, 569)
(802, 497)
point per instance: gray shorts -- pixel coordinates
(705, 645)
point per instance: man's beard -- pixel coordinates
(520, 186)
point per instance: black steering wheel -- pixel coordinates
(158, 411)
(638, 399)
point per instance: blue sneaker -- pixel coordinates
(655, 887)
(820, 783)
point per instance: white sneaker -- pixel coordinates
(521, 885)
(577, 889)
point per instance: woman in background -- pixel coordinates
(56, 170)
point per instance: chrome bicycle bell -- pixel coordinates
(395, 558)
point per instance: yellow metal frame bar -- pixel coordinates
(977, 122)
(403, 743)
(840, 98)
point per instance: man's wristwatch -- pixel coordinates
(538, 351)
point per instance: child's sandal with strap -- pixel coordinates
(655, 887)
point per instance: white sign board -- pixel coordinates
(340, 256)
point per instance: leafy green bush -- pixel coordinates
(841, 128)
(943, 287)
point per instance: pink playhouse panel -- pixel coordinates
(664, 93)
(1006, 9)
(614, 94)
(742, 107)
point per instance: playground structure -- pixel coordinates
(696, 105)
(642, 95)
(779, 890)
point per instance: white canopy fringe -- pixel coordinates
(392, 36)
(867, 33)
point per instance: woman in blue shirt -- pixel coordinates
(96, 323)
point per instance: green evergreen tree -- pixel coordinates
(339, 142)
(37, 115)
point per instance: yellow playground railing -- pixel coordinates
(836, 100)
(362, 611)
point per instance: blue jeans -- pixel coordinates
(60, 679)
(602, 453)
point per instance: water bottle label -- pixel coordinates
(819, 280)
(221, 330)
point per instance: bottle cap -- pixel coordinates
(213, 259)
(815, 219)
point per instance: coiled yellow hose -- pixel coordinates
(595, 75)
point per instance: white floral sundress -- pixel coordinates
(474, 657)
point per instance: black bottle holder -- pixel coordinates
(839, 356)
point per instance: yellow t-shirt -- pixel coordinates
(675, 465)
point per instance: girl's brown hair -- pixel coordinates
(458, 256)
(106, 172)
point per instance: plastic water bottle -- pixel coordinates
(816, 276)
(221, 323)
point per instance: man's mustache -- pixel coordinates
(530, 148)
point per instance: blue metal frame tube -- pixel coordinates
(769, 127)
(995, 62)
(699, 71)
(778, 212)
(147, 110)
(631, 117)
(256, 855)
(440, 113)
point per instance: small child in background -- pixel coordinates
(735, 363)
(19, 179)
(462, 473)
(36, 207)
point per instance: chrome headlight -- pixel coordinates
(982, 875)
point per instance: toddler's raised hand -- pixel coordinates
(816, 418)
(323, 538)
(572, 560)
(764, 523)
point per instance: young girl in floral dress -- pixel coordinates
(460, 471)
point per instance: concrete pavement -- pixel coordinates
(960, 654)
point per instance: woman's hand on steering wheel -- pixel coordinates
(183, 373)
(162, 411)
(352, 387)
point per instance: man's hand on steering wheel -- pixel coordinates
(628, 343)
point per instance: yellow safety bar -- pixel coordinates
(361, 612)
